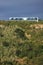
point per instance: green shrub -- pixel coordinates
(6, 63)
(20, 33)
(18, 52)
(5, 44)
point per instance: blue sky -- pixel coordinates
(29, 8)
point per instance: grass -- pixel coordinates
(21, 43)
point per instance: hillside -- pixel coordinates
(21, 43)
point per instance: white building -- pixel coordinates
(24, 18)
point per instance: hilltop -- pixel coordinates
(21, 43)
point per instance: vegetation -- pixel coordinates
(21, 43)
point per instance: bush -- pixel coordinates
(6, 63)
(20, 33)
(6, 44)
(18, 52)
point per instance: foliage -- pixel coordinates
(21, 44)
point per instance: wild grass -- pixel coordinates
(21, 43)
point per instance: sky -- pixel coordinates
(21, 8)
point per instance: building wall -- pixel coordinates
(24, 18)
